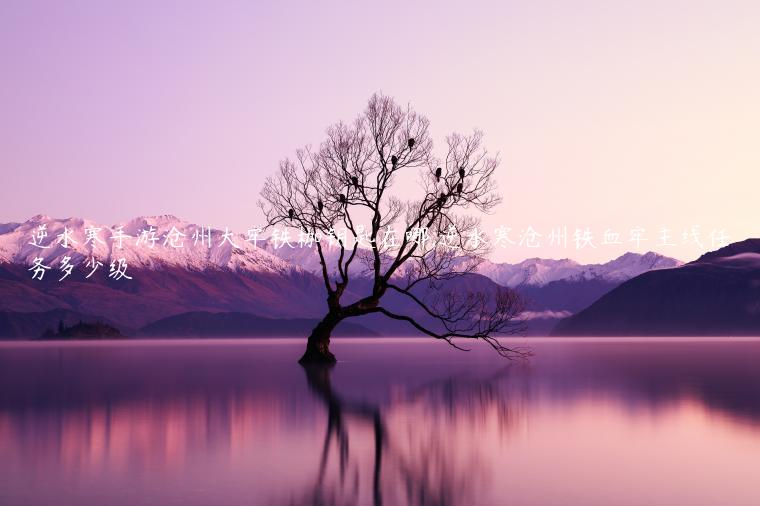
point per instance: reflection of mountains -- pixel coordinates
(130, 406)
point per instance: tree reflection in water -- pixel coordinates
(419, 463)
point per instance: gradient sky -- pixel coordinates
(606, 114)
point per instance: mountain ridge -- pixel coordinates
(156, 251)
(257, 279)
(715, 295)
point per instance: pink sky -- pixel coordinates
(606, 114)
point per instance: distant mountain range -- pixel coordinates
(718, 294)
(238, 276)
(554, 289)
(153, 252)
(541, 272)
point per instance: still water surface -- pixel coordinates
(397, 421)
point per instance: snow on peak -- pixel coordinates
(144, 242)
(154, 242)
(532, 271)
(540, 271)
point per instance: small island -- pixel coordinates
(82, 330)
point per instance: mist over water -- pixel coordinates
(397, 421)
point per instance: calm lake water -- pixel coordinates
(397, 421)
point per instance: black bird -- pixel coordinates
(461, 172)
(320, 205)
(291, 213)
(355, 181)
(442, 198)
(342, 198)
(410, 142)
(394, 160)
(438, 174)
(459, 188)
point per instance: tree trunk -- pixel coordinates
(318, 344)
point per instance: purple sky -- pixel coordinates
(606, 114)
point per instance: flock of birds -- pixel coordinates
(394, 161)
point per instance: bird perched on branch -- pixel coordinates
(342, 198)
(320, 205)
(394, 160)
(355, 181)
(438, 174)
(459, 188)
(461, 172)
(410, 143)
(291, 212)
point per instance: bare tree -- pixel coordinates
(345, 185)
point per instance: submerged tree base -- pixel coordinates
(318, 344)
(314, 355)
(318, 349)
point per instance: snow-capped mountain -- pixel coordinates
(535, 272)
(173, 267)
(540, 271)
(147, 242)
(153, 242)
(629, 265)
(715, 295)
(532, 271)
(183, 267)
(304, 256)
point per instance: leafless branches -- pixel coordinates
(345, 184)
